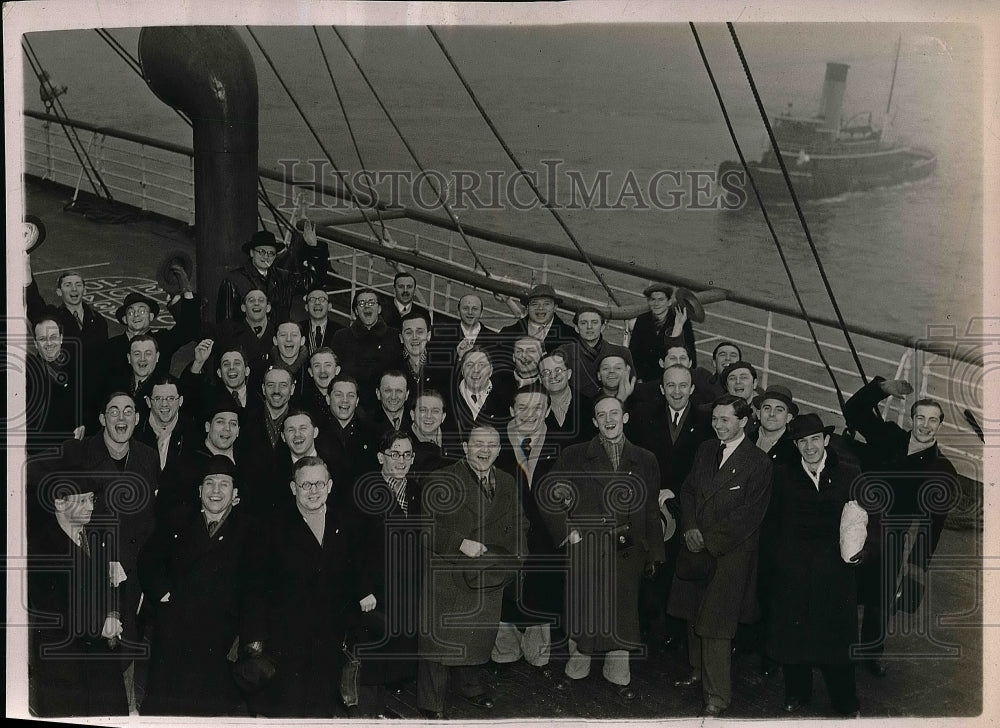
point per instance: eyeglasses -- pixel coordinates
(314, 485)
(367, 304)
(557, 372)
(317, 299)
(168, 400)
(114, 412)
(396, 455)
(265, 252)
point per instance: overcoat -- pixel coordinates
(584, 492)
(215, 588)
(813, 614)
(727, 505)
(462, 596)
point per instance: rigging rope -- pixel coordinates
(350, 128)
(54, 105)
(520, 168)
(767, 219)
(795, 201)
(399, 132)
(312, 130)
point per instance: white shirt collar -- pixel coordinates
(814, 477)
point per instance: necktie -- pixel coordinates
(395, 423)
(257, 330)
(488, 489)
(213, 526)
(79, 318)
(475, 398)
(318, 337)
(82, 542)
(718, 456)
(236, 396)
(526, 446)
(677, 418)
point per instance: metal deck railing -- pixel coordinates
(946, 364)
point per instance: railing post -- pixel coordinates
(354, 282)
(765, 367)
(545, 269)
(191, 193)
(49, 170)
(142, 178)
(430, 298)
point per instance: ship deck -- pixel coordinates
(936, 662)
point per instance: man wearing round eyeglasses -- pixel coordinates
(52, 413)
(127, 473)
(314, 556)
(317, 330)
(566, 421)
(368, 347)
(280, 281)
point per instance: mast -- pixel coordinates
(892, 84)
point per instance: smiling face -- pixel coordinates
(774, 415)
(233, 370)
(263, 256)
(164, 402)
(397, 459)
(368, 309)
(255, 307)
(217, 493)
(527, 354)
(119, 419)
(529, 411)
(323, 368)
(311, 487)
(223, 430)
(610, 418)
(288, 338)
(343, 400)
(481, 449)
(138, 317)
(676, 387)
(555, 376)
(476, 370)
(590, 327)
(142, 357)
(277, 388)
(926, 423)
(392, 393)
(741, 383)
(541, 310)
(812, 447)
(76, 508)
(610, 373)
(414, 336)
(71, 289)
(299, 434)
(658, 303)
(724, 356)
(318, 305)
(48, 340)
(470, 309)
(428, 414)
(404, 288)
(726, 424)
(676, 355)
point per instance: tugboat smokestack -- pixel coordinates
(833, 95)
(208, 73)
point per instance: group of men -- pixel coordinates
(425, 497)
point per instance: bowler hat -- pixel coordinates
(696, 312)
(807, 424)
(132, 298)
(735, 366)
(263, 237)
(33, 236)
(693, 566)
(219, 465)
(542, 291)
(782, 394)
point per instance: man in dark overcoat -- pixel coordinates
(723, 502)
(600, 499)
(476, 540)
(201, 574)
(812, 619)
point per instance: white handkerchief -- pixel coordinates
(116, 573)
(853, 531)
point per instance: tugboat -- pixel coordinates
(825, 158)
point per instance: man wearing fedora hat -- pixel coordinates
(776, 410)
(812, 619)
(303, 269)
(647, 340)
(541, 321)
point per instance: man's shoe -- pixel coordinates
(432, 714)
(711, 711)
(626, 692)
(689, 682)
(877, 668)
(562, 684)
(480, 701)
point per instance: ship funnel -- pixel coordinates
(207, 72)
(833, 95)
